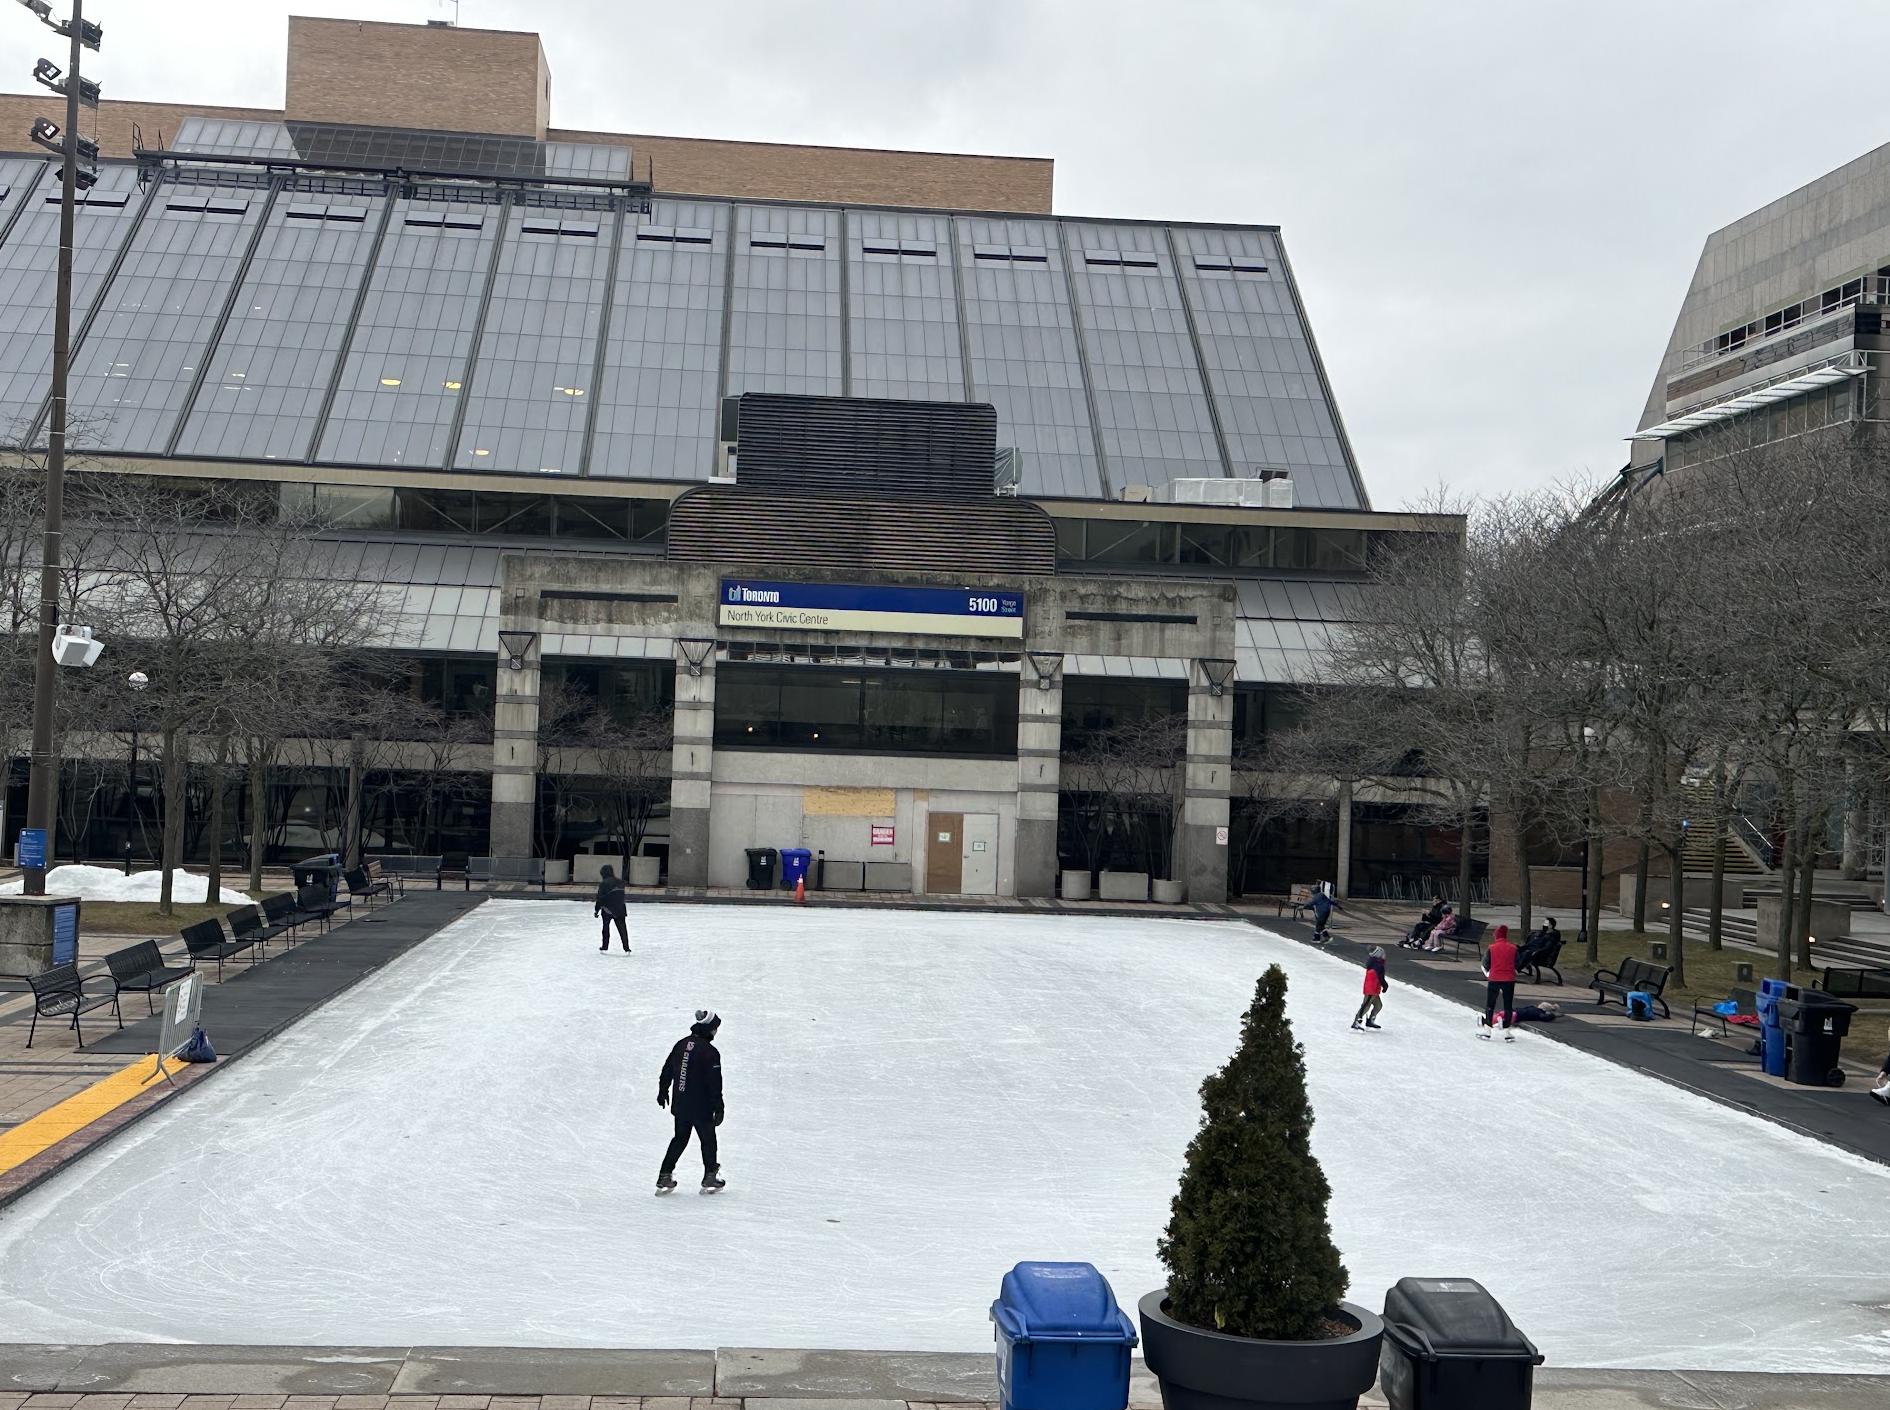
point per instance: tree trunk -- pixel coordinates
(258, 824)
(1787, 860)
(1808, 870)
(1342, 882)
(1591, 920)
(1640, 887)
(1466, 839)
(1676, 922)
(172, 844)
(1524, 890)
(1717, 914)
(351, 833)
(214, 868)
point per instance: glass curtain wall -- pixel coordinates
(784, 329)
(401, 381)
(662, 352)
(817, 708)
(904, 338)
(270, 371)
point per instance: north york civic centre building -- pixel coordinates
(893, 480)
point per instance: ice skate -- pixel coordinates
(1356, 1024)
(712, 1180)
(665, 1183)
(1369, 1023)
(1508, 1037)
(1483, 1032)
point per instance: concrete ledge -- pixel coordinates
(870, 1375)
(232, 1370)
(504, 1370)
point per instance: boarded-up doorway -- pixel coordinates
(944, 854)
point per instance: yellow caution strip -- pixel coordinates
(41, 1133)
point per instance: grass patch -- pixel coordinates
(142, 917)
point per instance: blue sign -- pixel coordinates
(936, 611)
(32, 850)
(65, 933)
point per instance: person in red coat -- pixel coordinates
(1499, 968)
(1375, 985)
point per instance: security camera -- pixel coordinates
(73, 646)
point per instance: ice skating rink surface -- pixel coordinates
(462, 1151)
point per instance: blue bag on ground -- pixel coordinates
(198, 1049)
(1640, 1005)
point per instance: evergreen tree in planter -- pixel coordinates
(1252, 1311)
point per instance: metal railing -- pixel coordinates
(1754, 837)
(1874, 289)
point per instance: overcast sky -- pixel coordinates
(1493, 206)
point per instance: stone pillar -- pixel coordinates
(1207, 776)
(1342, 883)
(515, 756)
(694, 753)
(1039, 772)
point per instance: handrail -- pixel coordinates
(1755, 838)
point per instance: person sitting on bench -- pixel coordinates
(1425, 923)
(1443, 933)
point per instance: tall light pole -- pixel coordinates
(79, 169)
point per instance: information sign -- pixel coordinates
(32, 850)
(844, 607)
(882, 835)
(65, 933)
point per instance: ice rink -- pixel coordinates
(461, 1151)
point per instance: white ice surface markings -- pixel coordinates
(463, 1149)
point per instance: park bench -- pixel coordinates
(1746, 1000)
(205, 941)
(1856, 982)
(364, 888)
(316, 904)
(1296, 902)
(1536, 956)
(398, 869)
(1468, 932)
(252, 923)
(1633, 977)
(394, 882)
(59, 992)
(282, 916)
(142, 966)
(453, 866)
(523, 869)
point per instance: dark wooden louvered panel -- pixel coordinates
(867, 446)
(742, 525)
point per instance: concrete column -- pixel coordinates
(1039, 774)
(515, 756)
(1341, 883)
(1208, 776)
(690, 763)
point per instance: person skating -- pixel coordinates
(1322, 905)
(1375, 986)
(1499, 968)
(691, 1087)
(609, 904)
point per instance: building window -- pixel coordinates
(819, 708)
(1093, 705)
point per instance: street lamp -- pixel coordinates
(79, 168)
(137, 681)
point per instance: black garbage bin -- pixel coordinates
(1815, 1024)
(323, 871)
(764, 865)
(1449, 1346)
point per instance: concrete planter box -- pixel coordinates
(1075, 886)
(1829, 919)
(1168, 893)
(843, 876)
(888, 876)
(1123, 886)
(646, 871)
(26, 934)
(557, 871)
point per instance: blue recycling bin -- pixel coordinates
(1772, 1055)
(1062, 1342)
(794, 864)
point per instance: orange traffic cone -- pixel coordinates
(800, 890)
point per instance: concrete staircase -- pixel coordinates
(1733, 927)
(1697, 855)
(1853, 951)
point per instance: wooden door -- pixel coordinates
(944, 854)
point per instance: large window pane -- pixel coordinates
(815, 708)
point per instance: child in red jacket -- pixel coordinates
(1499, 968)
(1375, 985)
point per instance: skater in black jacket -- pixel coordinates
(609, 904)
(691, 1087)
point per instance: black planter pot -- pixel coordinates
(1203, 1370)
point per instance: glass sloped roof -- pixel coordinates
(472, 153)
(449, 325)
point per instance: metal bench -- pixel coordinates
(59, 992)
(1856, 982)
(1468, 932)
(364, 888)
(522, 869)
(1633, 977)
(281, 915)
(314, 903)
(251, 924)
(142, 966)
(1746, 1003)
(1538, 955)
(205, 941)
(399, 869)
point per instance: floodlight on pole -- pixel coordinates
(52, 76)
(78, 172)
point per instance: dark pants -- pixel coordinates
(1494, 991)
(1373, 1006)
(704, 1127)
(622, 934)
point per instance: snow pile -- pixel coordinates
(105, 884)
